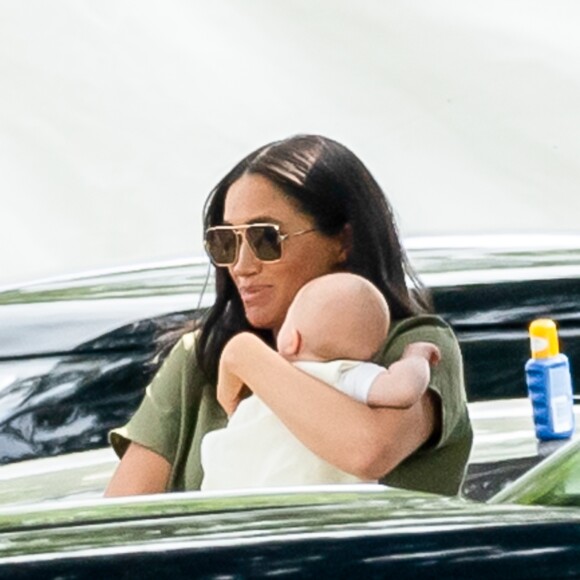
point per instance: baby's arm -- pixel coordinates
(403, 383)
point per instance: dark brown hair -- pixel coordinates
(333, 186)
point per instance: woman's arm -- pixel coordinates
(141, 471)
(367, 442)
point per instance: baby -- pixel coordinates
(335, 324)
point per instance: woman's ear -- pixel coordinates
(345, 238)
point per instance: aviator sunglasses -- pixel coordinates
(222, 243)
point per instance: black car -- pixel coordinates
(322, 531)
(336, 532)
(76, 354)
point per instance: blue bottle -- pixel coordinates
(549, 383)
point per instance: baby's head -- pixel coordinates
(335, 316)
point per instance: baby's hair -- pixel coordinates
(341, 315)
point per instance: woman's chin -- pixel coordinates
(260, 320)
(256, 321)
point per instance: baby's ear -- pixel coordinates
(293, 344)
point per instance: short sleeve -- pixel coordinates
(356, 381)
(446, 378)
(438, 467)
(156, 423)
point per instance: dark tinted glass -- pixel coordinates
(221, 246)
(265, 242)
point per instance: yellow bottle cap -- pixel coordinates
(544, 338)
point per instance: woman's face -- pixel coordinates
(268, 288)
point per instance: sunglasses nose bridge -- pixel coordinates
(243, 249)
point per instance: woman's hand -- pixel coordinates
(230, 388)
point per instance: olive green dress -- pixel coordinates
(180, 407)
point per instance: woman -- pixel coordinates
(290, 212)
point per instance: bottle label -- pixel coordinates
(539, 344)
(560, 403)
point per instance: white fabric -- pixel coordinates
(353, 378)
(257, 450)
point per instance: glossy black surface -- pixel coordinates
(76, 353)
(328, 533)
(491, 321)
(495, 552)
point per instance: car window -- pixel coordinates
(555, 481)
(571, 486)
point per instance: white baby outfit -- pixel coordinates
(257, 450)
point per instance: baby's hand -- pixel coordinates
(426, 350)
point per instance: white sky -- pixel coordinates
(117, 117)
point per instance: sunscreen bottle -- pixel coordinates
(549, 383)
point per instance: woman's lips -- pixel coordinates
(255, 295)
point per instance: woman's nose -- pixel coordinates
(247, 263)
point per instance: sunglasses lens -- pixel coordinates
(221, 246)
(265, 242)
